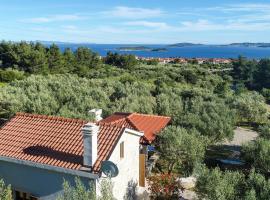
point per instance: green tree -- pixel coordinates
(121, 61)
(69, 60)
(210, 118)
(256, 154)
(180, 150)
(244, 71)
(55, 59)
(250, 107)
(262, 76)
(215, 184)
(227, 185)
(264, 131)
(152, 62)
(9, 75)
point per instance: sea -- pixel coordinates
(196, 51)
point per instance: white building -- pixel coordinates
(38, 152)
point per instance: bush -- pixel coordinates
(264, 131)
(163, 186)
(5, 191)
(257, 154)
(80, 192)
(9, 75)
(250, 107)
(216, 184)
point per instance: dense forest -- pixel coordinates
(205, 106)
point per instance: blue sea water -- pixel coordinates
(200, 51)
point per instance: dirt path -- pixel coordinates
(241, 136)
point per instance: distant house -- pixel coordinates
(38, 152)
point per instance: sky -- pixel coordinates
(136, 21)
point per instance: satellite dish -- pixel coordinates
(109, 169)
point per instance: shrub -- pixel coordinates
(5, 191)
(163, 186)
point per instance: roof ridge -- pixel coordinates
(110, 125)
(56, 118)
(132, 123)
(113, 122)
(150, 115)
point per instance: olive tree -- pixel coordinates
(257, 154)
(250, 107)
(215, 184)
(180, 150)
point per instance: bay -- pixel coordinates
(197, 51)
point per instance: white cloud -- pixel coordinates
(206, 25)
(244, 7)
(69, 27)
(133, 13)
(249, 7)
(53, 18)
(148, 24)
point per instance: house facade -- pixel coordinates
(37, 153)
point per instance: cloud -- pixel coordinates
(148, 24)
(53, 18)
(133, 13)
(69, 27)
(249, 7)
(231, 25)
(244, 7)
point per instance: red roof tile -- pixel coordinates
(149, 124)
(54, 141)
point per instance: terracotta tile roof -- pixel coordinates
(149, 124)
(54, 141)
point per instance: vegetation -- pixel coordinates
(205, 106)
(5, 191)
(227, 185)
(79, 191)
(180, 150)
(256, 153)
(163, 187)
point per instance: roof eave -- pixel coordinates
(50, 167)
(134, 132)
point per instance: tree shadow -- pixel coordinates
(54, 154)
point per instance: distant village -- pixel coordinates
(187, 60)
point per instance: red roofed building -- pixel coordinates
(37, 152)
(150, 125)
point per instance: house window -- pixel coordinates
(122, 150)
(23, 196)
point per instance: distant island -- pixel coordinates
(184, 44)
(141, 48)
(162, 48)
(250, 44)
(243, 44)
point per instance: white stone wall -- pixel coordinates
(129, 165)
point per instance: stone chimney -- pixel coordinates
(97, 113)
(90, 133)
